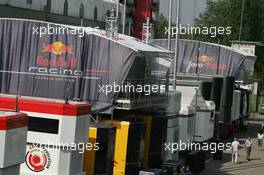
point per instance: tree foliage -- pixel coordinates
(228, 13)
(160, 25)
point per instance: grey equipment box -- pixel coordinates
(150, 172)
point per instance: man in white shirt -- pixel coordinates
(235, 146)
(248, 146)
(260, 139)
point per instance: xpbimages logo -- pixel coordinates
(61, 30)
(147, 89)
(212, 31)
(195, 146)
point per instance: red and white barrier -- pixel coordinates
(56, 135)
(13, 136)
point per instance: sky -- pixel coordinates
(187, 9)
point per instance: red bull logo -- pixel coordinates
(57, 63)
(57, 59)
(205, 59)
(57, 48)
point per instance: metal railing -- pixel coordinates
(139, 93)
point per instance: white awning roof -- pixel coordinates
(125, 40)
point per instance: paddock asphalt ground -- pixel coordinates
(253, 167)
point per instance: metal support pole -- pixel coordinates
(82, 22)
(129, 29)
(124, 16)
(194, 14)
(117, 9)
(170, 21)
(176, 44)
(241, 22)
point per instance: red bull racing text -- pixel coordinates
(57, 64)
(52, 61)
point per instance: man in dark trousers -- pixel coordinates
(248, 147)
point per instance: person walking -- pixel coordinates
(234, 147)
(260, 139)
(248, 147)
(182, 171)
(188, 171)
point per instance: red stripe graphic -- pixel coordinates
(45, 107)
(13, 122)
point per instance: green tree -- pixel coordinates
(160, 27)
(227, 13)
